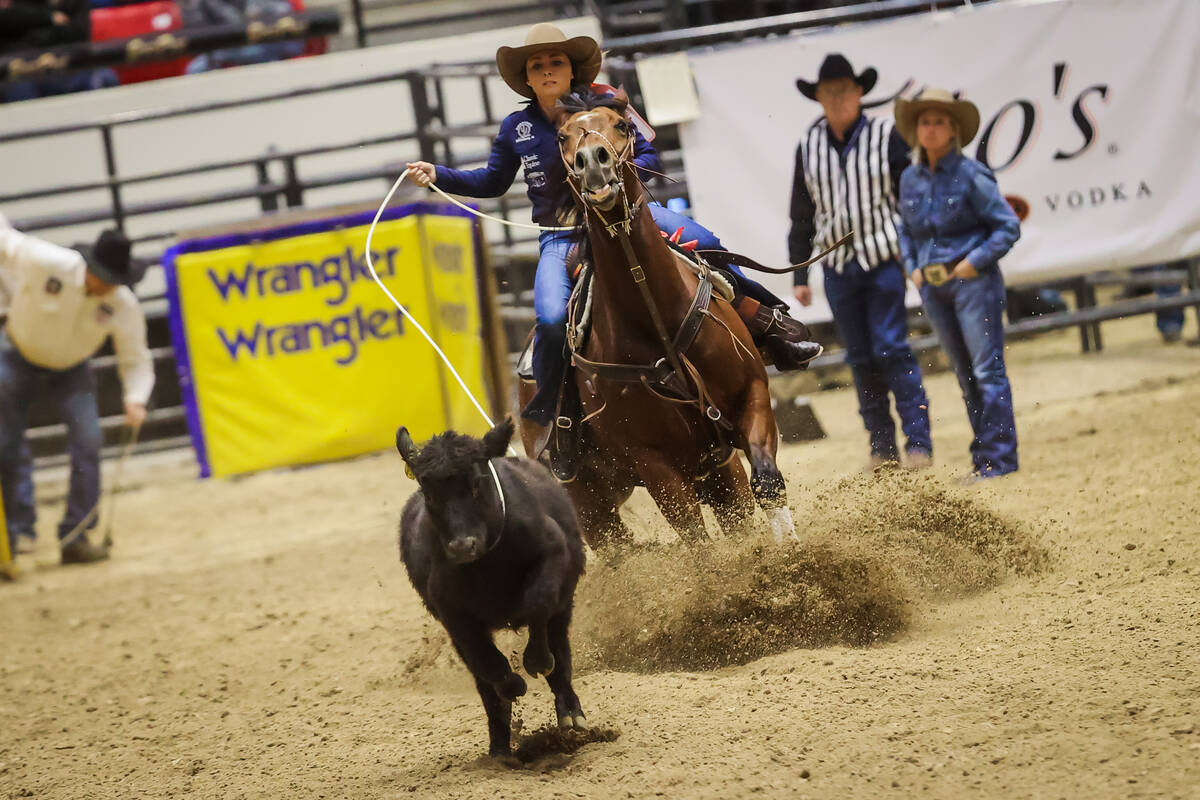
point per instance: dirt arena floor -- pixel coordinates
(1035, 636)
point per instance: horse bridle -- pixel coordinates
(620, 161)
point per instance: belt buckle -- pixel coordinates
(935, 274)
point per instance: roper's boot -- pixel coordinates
(549, 364)
(564, 449)
(784, 339)
(81, 551)
(556, 403)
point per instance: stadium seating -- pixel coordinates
(121, 22)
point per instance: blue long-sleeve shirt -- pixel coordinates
(527, 139)
(955, 211)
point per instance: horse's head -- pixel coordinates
(596, 141)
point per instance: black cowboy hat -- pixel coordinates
(109, 259)
(833, 67)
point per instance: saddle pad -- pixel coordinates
(579, 309)
(525, 363)
(722, 284)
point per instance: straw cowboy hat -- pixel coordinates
(963, 112)
(583, 51)
(833, 67)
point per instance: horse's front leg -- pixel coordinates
(727, 492)
(598, 496)
(762, 445)
(675, 495)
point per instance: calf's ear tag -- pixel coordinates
(408, 471)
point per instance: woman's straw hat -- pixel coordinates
(963, 112)
(583, 51)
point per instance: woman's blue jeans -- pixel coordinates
(968, 316)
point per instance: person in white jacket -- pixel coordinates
(62, 305)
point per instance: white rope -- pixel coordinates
(499, 493)
(375, 275)
(482, 215)
(81, 527)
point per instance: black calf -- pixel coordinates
(493, 549)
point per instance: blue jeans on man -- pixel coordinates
(968, 318)
(868, 311)
(552, 290)
(1169, 322)
(74, 392)
(21, 516)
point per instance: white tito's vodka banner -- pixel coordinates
(1090, 113)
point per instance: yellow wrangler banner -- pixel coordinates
(288, 353)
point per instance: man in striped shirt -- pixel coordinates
(847, 179)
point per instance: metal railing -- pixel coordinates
(366, 28)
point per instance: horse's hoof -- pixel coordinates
(574, 719)
(783, 528)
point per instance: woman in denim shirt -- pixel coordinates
(956, 227)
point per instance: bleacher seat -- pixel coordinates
(122, 22)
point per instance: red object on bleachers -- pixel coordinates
(317, 44)
(122, 22)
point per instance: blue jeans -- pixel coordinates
(74, 390)
(21, 516)
(1167, 322)
(968, 318)
(868, 311)
(552, 290)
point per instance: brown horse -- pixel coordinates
(655, 415)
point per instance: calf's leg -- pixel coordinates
(499, 719)
(474, 644)
(566, 702)
(541, 594)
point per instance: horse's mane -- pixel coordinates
(584, 99)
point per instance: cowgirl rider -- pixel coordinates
(546, 68)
